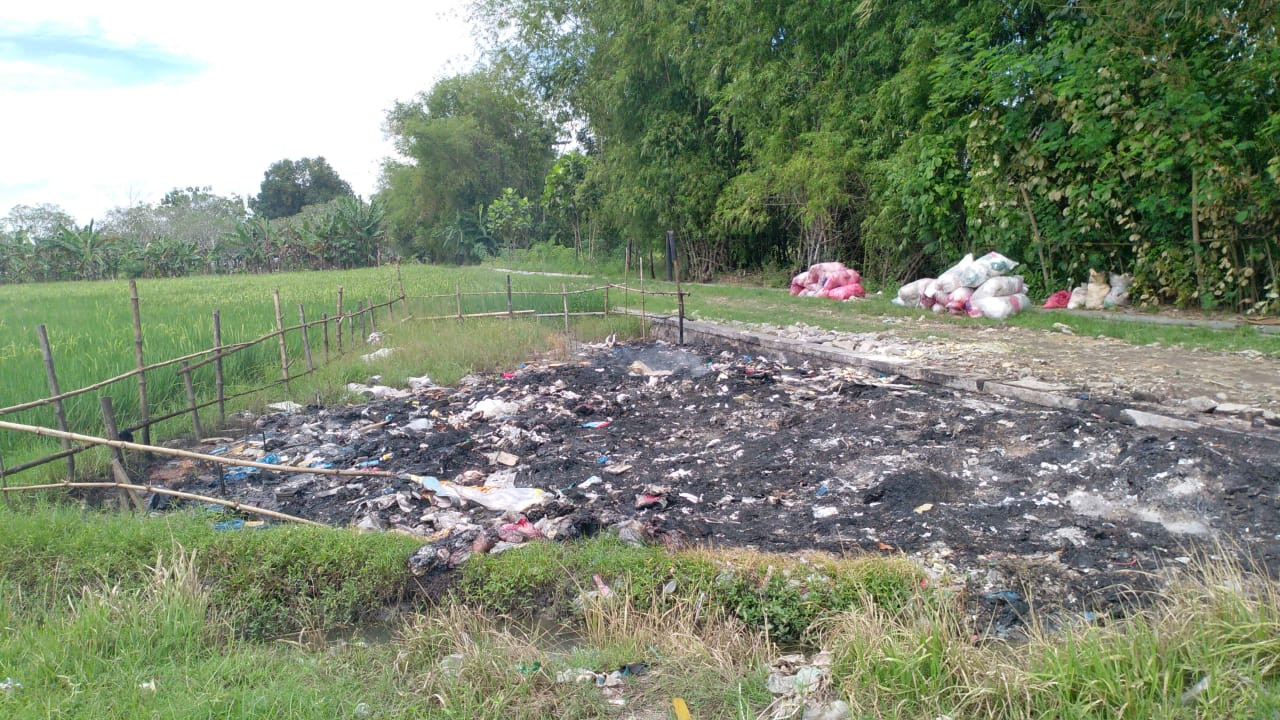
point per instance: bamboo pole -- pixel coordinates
(339, 318)
(4, 482)
(306, 339)
(219, 382)
(175, 452)
(373, 317)
(626, 278)
(564, 298)
(166, 491)
(399, 279)
(325, 317)
(351, 324)
(364, 326)
(117, 457)
(143, 411)
(58, 409)
(191, 401)
(457, 292)
(284, 352)
(644, 323)
(510, 308)
(606, 300)
(679, 297)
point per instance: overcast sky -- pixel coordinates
(106, 104)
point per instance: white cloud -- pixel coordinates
(277, 80)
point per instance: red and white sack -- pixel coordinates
(909, 295)
(798, 283)
(958, 300)
(999, 307)
(846, 292)
(1000, 287)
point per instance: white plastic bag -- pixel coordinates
(1001, 307)
(1000, 287)
(993, 264)
(909, 294)
(950, 280)
(499, 499)
(1119, 295)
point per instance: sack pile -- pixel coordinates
(977, 287)
(830, 280)
(1097, 294)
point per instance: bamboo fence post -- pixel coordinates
(306, 338)
(457, 293)
(218, 381)
(373, 316)
(284, 352)
(58, 408)
(339, 319)
(4, 482)
(325, 318)
(117, 456)
(626, 278)
(391, 309)
(363, 312)
(564, 298)
(606, 299)
(191, 400)
(399, 279)
(644, 323)
(511, 315)
(351, 325)
(679, 298)
(143, 410)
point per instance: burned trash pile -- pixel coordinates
(709, 446)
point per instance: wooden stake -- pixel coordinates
(364, 325)
(325, 324)
(626, 278)
(58, 408)
(373, 317)
(117, 457)
(306, 338)
(644, 323)
(606, 300)
(191, 400)
(399, 279)
(679, 298)
(339, 318)
(143, 411)
(284, 352)
(4, 483)
(510, 308)
(218, 381)
(564, 298)
(457, 291)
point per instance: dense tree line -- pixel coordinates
(1122, 135)
(304, 218)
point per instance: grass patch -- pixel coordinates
(783, 596)
(146, 617)
(283, 580)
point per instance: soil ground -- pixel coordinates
(706, 445)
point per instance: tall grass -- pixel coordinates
(90, 331)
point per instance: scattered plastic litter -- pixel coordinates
(8, 685)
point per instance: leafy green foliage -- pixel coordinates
(290, 185)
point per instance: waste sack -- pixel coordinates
(1118, 296)
(1000, 307)
(1096, 291)
(1058, 300)
(950, 280)
(993, 264)
(1000, 286)
(846, 292)
(909, 295)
